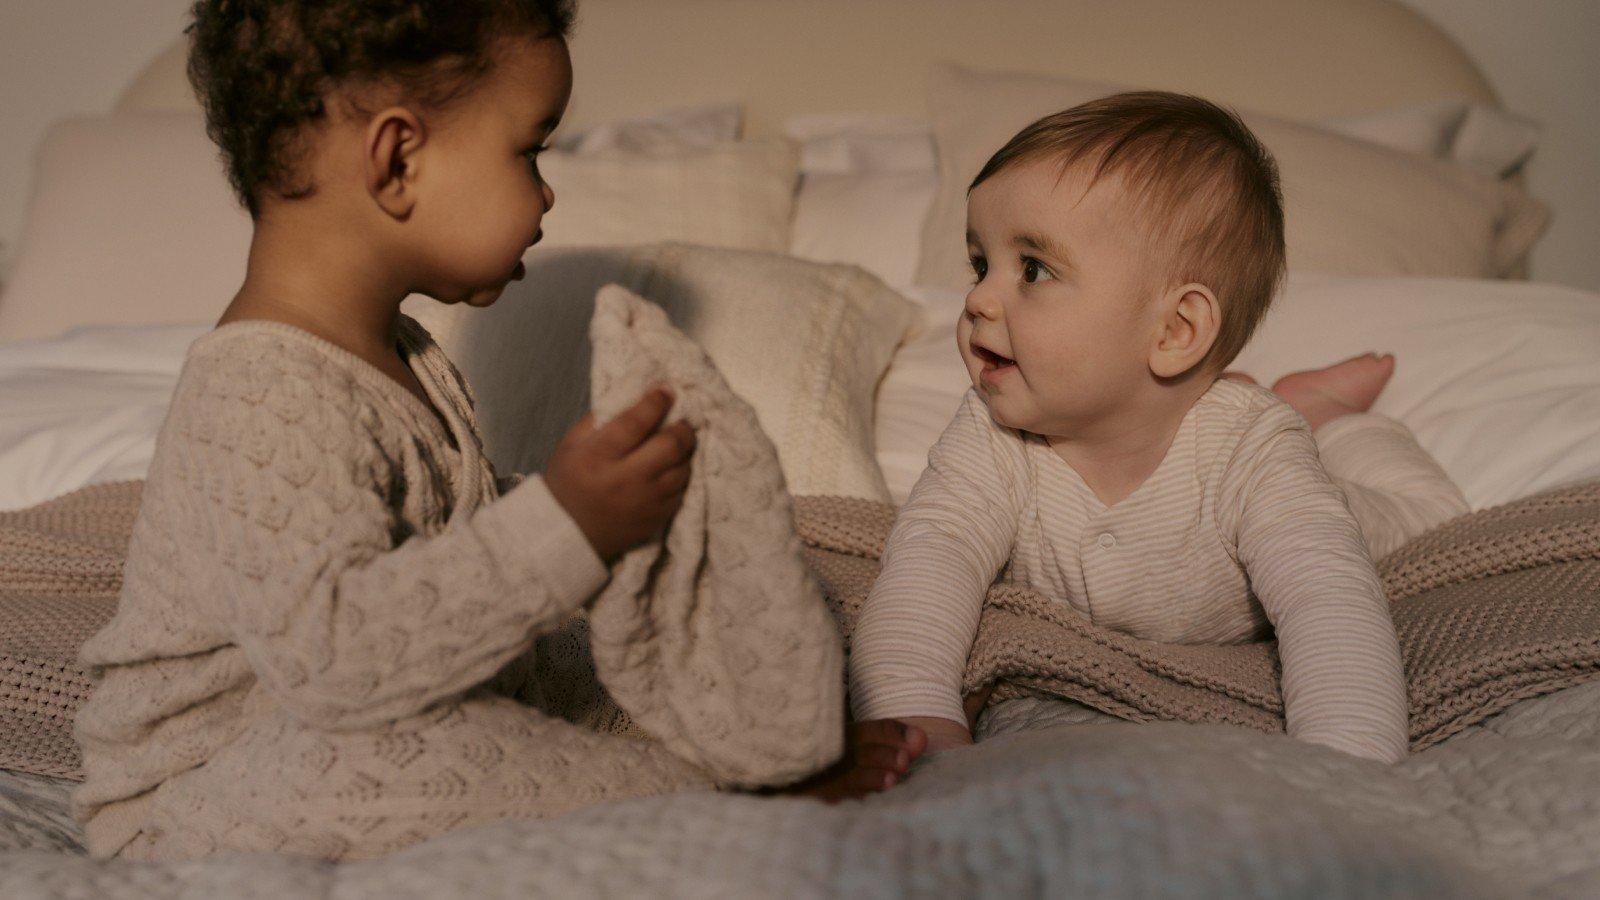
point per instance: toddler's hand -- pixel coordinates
(622, 482)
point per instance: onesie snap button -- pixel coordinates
(1107, 541)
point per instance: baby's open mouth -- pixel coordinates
(991, 359)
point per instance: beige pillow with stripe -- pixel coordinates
(1351, 207)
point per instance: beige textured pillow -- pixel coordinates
(1352, 207)
(132, 222)
(803, 343)
(736, 194)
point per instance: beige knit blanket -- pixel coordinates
(1492, 608)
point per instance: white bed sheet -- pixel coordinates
(1499, 380)
(85, 408)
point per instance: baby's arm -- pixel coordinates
(1343, 681)
(954, 533)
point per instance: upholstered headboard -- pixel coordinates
(1301, 59)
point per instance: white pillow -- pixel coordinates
(1352, 207)
(804, 344)
(872, 220)
(866, 182)
(132, 222)
(1500, 381)
(862, 143)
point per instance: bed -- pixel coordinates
(822, 146)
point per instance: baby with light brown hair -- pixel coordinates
(1123, 251)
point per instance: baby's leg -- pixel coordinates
(285, 788)
(1395, 490)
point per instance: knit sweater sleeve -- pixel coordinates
(1343, 682)
(349, 619)
(951, 538)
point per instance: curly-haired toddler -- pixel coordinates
(329, 595)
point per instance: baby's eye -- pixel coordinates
(532, 156)
(1033, 270)
(980, 266)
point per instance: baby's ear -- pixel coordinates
(1188, 326)
(391, 161)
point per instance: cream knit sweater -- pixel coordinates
(320, 584)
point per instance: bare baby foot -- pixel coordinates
(1322, 395)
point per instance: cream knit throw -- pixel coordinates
(1491, 608)
(727, 598)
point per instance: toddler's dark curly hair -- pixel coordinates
(263, 69)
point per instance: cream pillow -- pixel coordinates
(132, 222)
(1352, 207)
(734, 194)
(804, 344)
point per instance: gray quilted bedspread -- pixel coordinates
(1057, 800)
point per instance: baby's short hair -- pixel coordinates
(263, 69)
(1205, 184)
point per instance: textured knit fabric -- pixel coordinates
(1239, 530)
(1490, 608)
(320, 584)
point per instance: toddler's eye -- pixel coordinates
(532, 156)
(980, 266)
(1033, 270)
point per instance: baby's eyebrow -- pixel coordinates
(1042, 243)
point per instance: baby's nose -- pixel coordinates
(981, 303)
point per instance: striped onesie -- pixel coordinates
(1240, 532)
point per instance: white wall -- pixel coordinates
(66, 57)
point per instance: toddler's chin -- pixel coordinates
(485, 299)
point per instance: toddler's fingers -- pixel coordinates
(581, 429)
(674, 480)
(666, 449)
(636, 423)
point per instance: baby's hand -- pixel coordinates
(622, 482)
(877, 754)
(943, 734)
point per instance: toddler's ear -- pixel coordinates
(390, 159)
(1190, 319)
